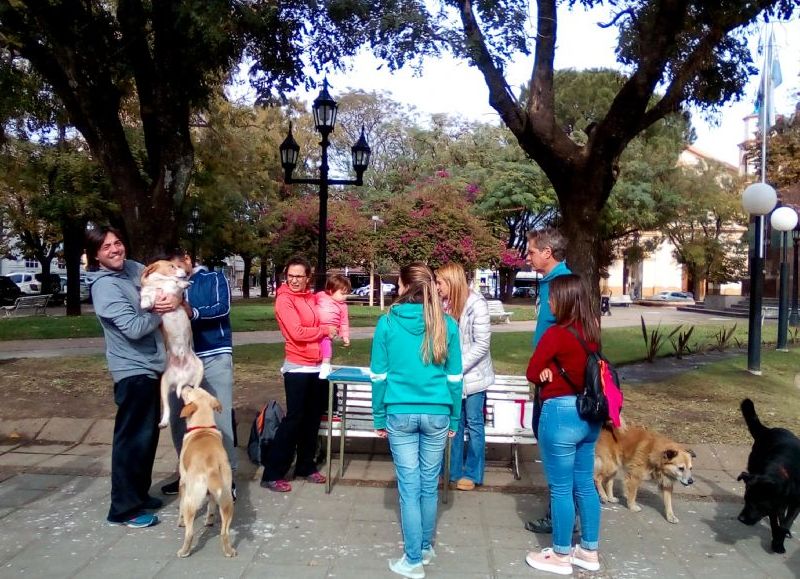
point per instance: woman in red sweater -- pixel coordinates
(297, 317)
(566, 441)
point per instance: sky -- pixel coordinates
(451, 86)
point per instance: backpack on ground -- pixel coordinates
(600, 397)
(263, 431)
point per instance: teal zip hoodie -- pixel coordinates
(134, 346)
(401, 382)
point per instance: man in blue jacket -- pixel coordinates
(547, 251)
(209, 298)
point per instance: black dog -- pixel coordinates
(772, 479)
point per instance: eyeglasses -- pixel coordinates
(296, 276)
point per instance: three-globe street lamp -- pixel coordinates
(325, 109)
(758, 200)
(195, 229)
(783, 219)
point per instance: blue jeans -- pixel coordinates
(472, 421)
(417, 443)
(566, 445)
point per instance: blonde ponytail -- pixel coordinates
(420, 286)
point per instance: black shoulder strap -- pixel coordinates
(583, 343)
(561, 370)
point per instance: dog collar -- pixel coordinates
(199, 428)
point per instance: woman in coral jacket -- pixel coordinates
(305, 392)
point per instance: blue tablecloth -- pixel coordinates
(349, 374)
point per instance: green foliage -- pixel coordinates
(655, 339)
(721, 339)
(783, 161)
(681, 343)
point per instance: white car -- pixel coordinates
(673, 297)
(26, 282)
(363, 291)
(83, 289)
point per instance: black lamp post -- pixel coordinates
(758, 200)
(195, 229)
(794, 317)
(324, 109)
(783, 219)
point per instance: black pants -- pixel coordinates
(134, 447)
(306, 397)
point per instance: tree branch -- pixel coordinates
(500, 96)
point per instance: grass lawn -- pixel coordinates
(696, 406)
(246, 316)
(700, 405)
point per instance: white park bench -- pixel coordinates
(28, 304)
(623, 300)
(508, 416)
(497, 312)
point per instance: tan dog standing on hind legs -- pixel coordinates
(204, 470)
(184, 368)
(642, 454)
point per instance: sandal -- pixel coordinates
(279, 486)
(317, 478)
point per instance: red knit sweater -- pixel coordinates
(558, 342)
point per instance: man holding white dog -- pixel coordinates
(136, 359)
(209, 300)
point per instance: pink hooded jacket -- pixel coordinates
(333, 313)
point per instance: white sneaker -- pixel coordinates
(324, 371)
(428, 555)
(402, 567)
(585, 559)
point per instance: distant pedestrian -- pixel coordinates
(471, 312)
(332, 309)
(416, 402)
(566, 441)
(136, 358)
(306, 394)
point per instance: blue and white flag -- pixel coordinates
(771, 78)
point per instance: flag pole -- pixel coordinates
(765, 79)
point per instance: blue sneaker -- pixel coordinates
(138, 521)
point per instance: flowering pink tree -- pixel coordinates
(433, 222)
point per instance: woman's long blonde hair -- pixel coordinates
(453, 275)
(420, 288)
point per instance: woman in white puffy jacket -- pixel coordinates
(472, 314)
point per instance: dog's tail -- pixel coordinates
(751, 418)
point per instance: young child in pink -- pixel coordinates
(332, 311)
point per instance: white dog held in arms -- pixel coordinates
(184, 368)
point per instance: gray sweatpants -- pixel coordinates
(217, 381)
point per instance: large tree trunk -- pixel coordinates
(248, 264)
(581, 199)
(73, 247)
(262, 278)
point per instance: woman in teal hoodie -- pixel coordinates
(416, 402)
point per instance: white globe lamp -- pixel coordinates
(759, 199)
(783, 218)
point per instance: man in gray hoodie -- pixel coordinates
(136, 358)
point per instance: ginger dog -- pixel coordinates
(184, 368)
(204, 469)
(643, 454)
